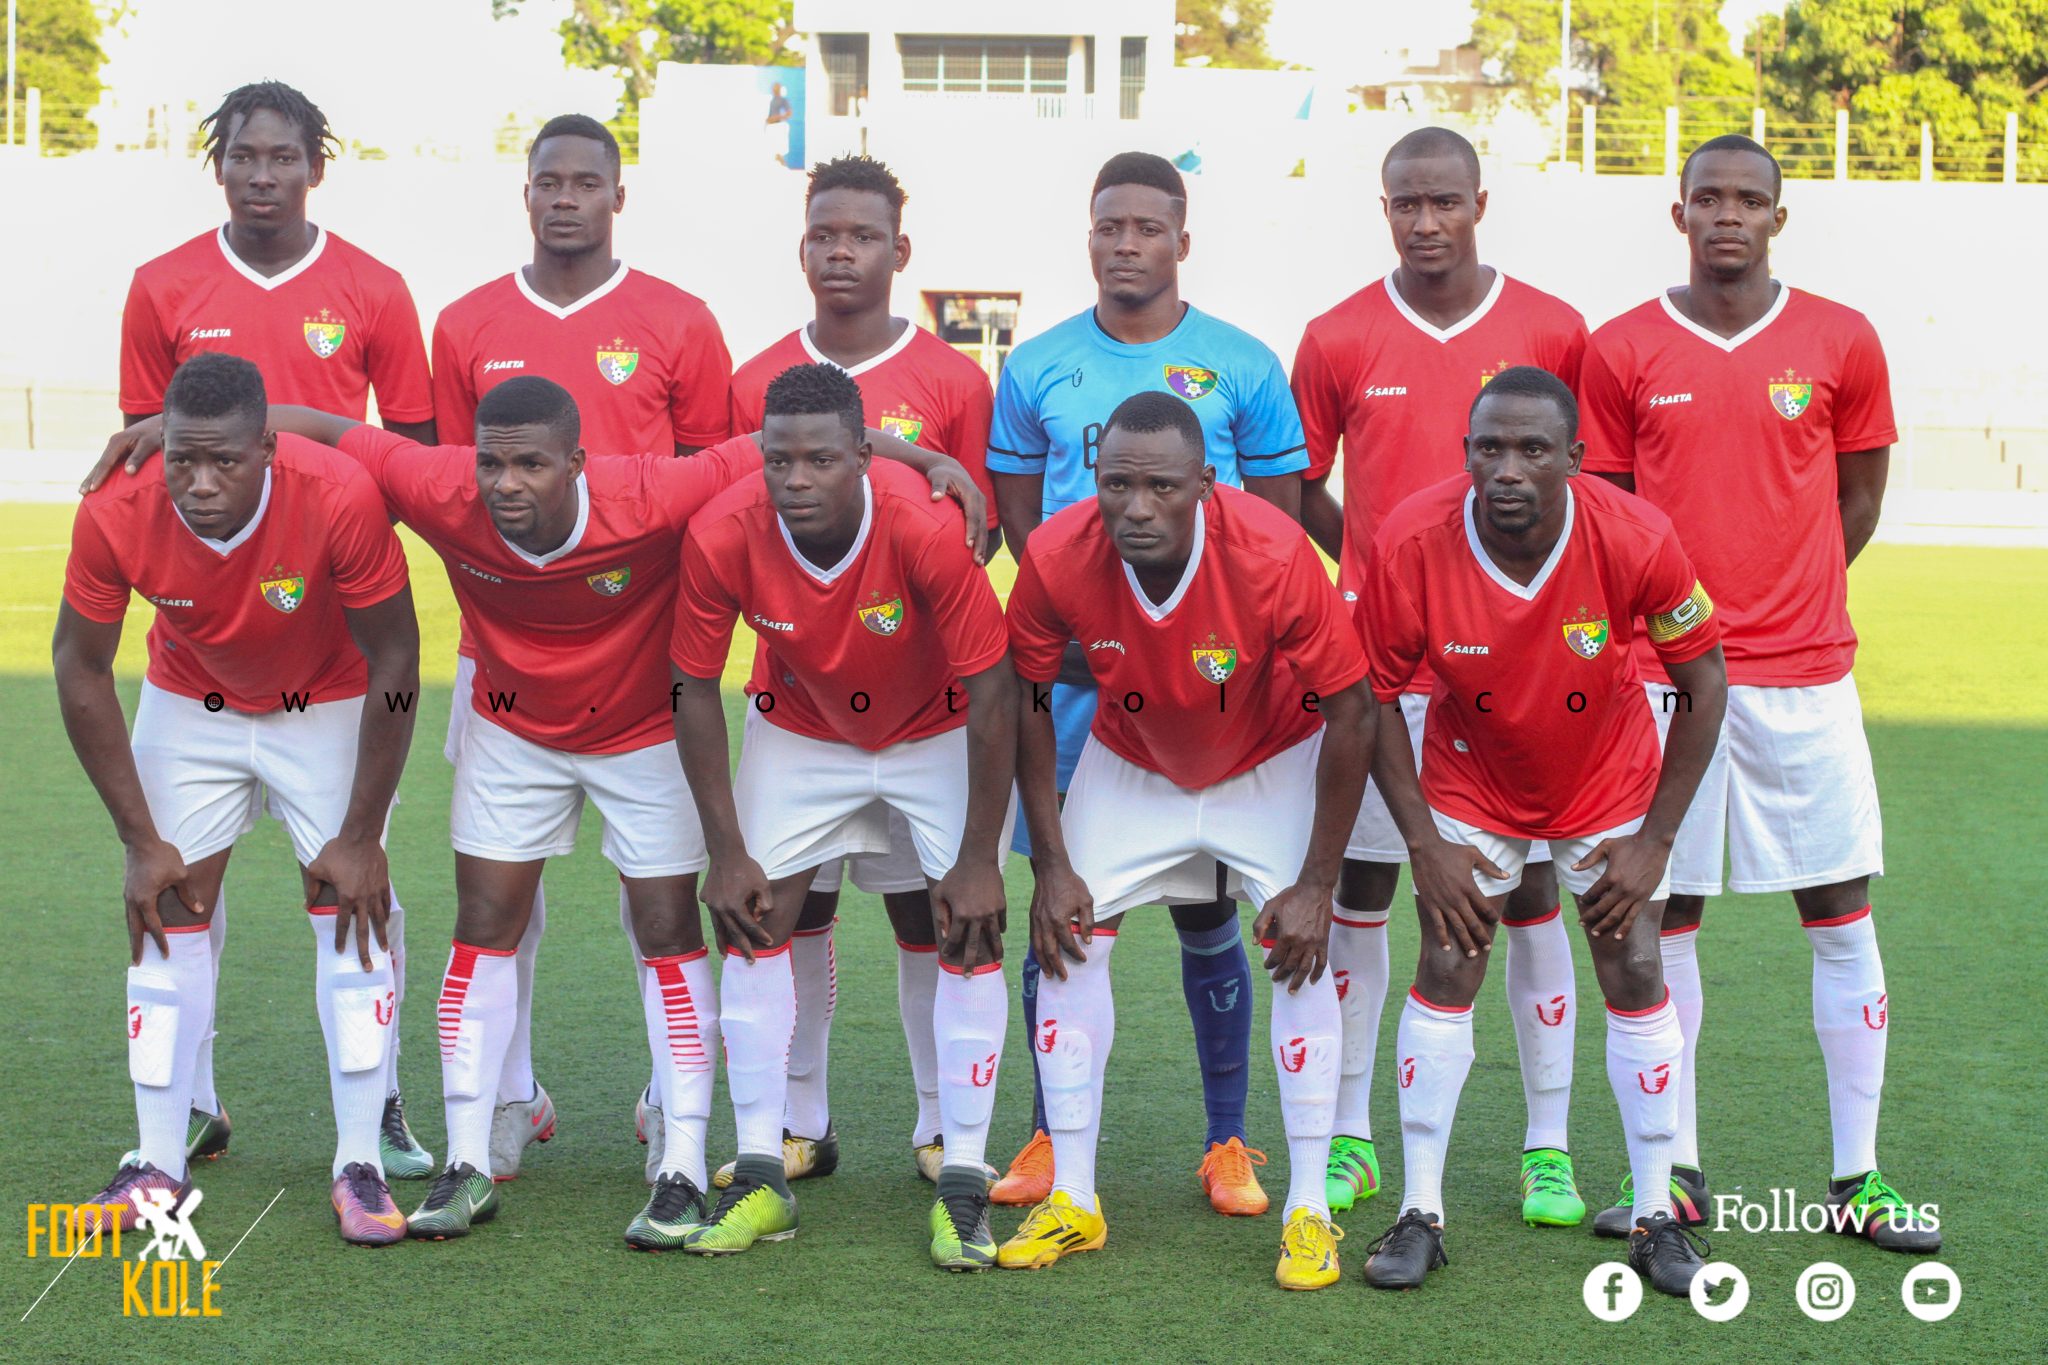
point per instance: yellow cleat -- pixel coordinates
(1056, 1226)
(1308, 1251)
(1028, 1182)
(1226, 1176)
(931, 1159)
(802, 1159)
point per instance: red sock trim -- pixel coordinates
(813, 933)
(917, 947)
(983, 970)
(475, 951)
(1419, 998)
(1642, 1014)
(187, 928)
(1681, 929)
(675, 957)
(759, 952)
(1849, 918)
(1379, 923)
(1105, 933)
(1544, 918)
(322, 910)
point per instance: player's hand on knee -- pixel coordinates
(361, 877)
(1454, 909)
(151, 869)
(1062, 918)
(1634, 867)
(133, 444)
(736, 894)
(1296, 925)
(968, 909)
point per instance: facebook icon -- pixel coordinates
(1612, 1292)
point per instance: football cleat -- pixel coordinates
(1308, 1251)
(1028, 1182)
(130, 1185)
(1406, 1252)
(1872, 1209)
(749, 1210)
(515, 1125)
(650, 1125)
(462, 1196)
(931, 1159)
(364, 1207)
(1227, 1178)
(400, 1151)
(1689, 1203)
(207, 1138)
(1353, 1175)
(802, 1158)
(673, 1212)
(1550, 1197)
(1664, 1253)
(961, 1239)
(1056, 1226)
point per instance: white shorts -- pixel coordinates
(458, 714)
(1375, 838)
(804, 802)
(1510, 854)
(878, 874)
(1136, 838)
(517, 801)
(1789, 792)
(207, 775)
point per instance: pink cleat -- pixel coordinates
(364, 1208)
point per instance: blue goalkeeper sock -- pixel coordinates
(1215, 976)
(1030, 977)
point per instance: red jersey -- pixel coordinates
(1536, 727)
(323, 332)
(868, 652)
(1735, 439)
(568, 643)
(920, 390)
(1217, 679)
(644, 361)
(259, 614)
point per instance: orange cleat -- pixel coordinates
(1029, 1179)
(1226, 1175)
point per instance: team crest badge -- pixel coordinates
(1486, 376)
(617, 362)
(1587, 638)
(1190, 381)
(883, 618)
(324, 334)
(1215, 662)
(903, 426)
(283, 591)
(1790, 395)
(611, 583)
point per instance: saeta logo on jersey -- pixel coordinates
(1190, 381)
(1790, 395)
(282, 590)
(881, 617)
(325, 333)
(1214, 660)
(617, 361)
(903, 424)
(610, 583)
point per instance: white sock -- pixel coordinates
(681, 1007)
(515, 1081)
(394, 938)
(917, 985)
(170, 1004)
(1543, 1000)
(970, 1014)
(479, 997)
(1645, 1063)
(358, 1011)
(1307, 1026)
(1433, 1054)
(807, 1111)
(1680, 950)
(203, 1095)
(1076, 1027)
(653, 1091)
(1358, 965)
(1850, 1013)
(757, 1010)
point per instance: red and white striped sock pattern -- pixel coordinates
(757, 1003)
(1358, 965)
(970, 1014)
(681, 1007)
(1851, 1014)
(1680, 950)
(479, 1000)
(1432, 1057)
(1543, 1000)
(814, 966)
(917, 985)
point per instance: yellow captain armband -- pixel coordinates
(1667, 626)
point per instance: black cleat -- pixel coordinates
(1870, 1208)
(1689, 1204)
(1406, 1252)
(1663, 1252)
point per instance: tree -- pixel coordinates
(1222, 33)
(57, 50)
(630, 37)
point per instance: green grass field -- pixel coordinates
(1951, 677)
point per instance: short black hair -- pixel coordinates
(1424, 143)
(216, 384)
(1532, 381)
(530, 400)
(1156, 410)
(808, 390)
(577, 125)
(1736, 142)
(280, 99)
(862, 173)
(1143, 168)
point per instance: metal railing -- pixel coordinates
(1842, 150)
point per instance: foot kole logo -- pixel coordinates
(1293, 1055)
(1791, 395)
(1551, 1015)
(1190, 381)
(883, 618)
(1875, 1021)
(1407, 1072)
(325, 333)
(282, 590)
(1655, 1079)
(617, 362)
(1048, 1031)
(1214, 660)
(611, 582)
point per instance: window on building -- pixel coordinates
(1132, 94)
(846, 70)
(996, 66)
(981, 326)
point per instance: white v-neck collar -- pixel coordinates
(269, 282)
(1463, 324)
(1715, 338)
(830, 576)
(1187, 575)
(875, 361)
(1493, 570)
(575, 535)
(224, 548)
(558, 312)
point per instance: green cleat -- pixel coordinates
(207, 1138)
(1689, 1204)
(461, 1197)
(750, 1209)
(1353, 1175)
(403, 1157)
(1550, 1198)
(961, 1239)
(673, 1212)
